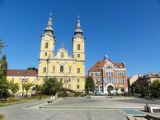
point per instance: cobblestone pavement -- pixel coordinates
(95, 108)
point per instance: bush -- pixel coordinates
(12, 99)
(62, 94)
(77, 94)
(155, 94)
(1, 117)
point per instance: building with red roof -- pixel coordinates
(109, 76)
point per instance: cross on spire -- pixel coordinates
(49, 25)
(78, 26)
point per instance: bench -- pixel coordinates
(152, 108)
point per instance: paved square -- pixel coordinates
(95, 108)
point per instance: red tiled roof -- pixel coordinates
(100, 64)
(21, 73)
(97, 66)
(121, 65)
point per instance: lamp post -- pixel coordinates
(148, 86)
(23, 80)
(102, 79)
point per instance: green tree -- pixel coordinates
(139, 87)
(26, 87)
(89, 84)
(39, 90)
(3, 77)
(155, 88)
(1, 46)
(14, 87)
(51, 86)
(31, 68)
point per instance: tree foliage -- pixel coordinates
(1, 46)
(3, 77)
(14, 87)
(31, 68)
(26, 87)
(51, 86)
(155, 88)
(140, 87)
(89, 85)
(144, 88)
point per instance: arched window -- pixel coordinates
(78, 70)
(62, 55)
(61, 68)
(78, 47)
(44, 70)
(53, 69)
(46, 45)
(78, 55)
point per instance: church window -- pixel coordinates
(78, 70)
(44, 70)
(77, 86)
(53, 69)
(78, 55)
(92, 74)
(69, 70)
(61, 68)
(46, 45)
(78, 47)
(62, 55)
(77, 80)
(45, 53)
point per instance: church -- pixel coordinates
(65, 67)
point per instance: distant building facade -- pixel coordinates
(132, 79)
(142, 80)
(21, 77)
(151, 77)
(112, 74)
(67, 68)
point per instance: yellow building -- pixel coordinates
(67, 68)
(21, 77)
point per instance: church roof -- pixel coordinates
(21, 72)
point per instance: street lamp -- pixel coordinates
(148, 86)
(102, 79)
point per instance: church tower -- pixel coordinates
(46, 49)
(69, 69)
(78, 43)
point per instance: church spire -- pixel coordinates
(78, 27)
(49, 25)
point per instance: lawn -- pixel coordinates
(12, 100)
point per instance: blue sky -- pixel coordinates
(127, 30)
